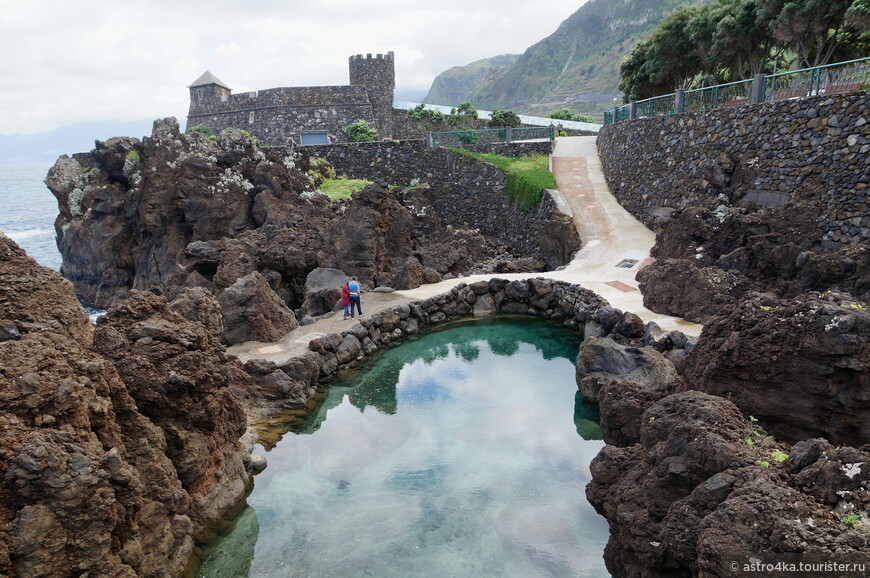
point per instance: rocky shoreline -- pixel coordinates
(121, 441)
(757, 446)
(753, 444)
(125, 443)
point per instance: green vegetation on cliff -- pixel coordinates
(453, 86)
(527, 176)
(576, 67)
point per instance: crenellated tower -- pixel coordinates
(378, 75)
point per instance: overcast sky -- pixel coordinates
(67, 61)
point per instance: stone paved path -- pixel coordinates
(615, 247)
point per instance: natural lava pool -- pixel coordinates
(464, 452)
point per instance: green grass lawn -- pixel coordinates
(342, 188)
(527, 176)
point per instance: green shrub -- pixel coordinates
(429, 117)
(342, 188)
(463, 115)
(566, 114)
(202, 129)
(132, 156)
(527, 177)
(778, 456)
(502, 118)
(360, 131)
(852, 519)
(467, 137)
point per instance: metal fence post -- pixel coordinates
(632, 110)
(756, 96)
(615, 114)
(679, 100)
(429, 141)
(507, 134)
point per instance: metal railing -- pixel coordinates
(719, 96)
(655, 106)
(829, 79)
(465, 137)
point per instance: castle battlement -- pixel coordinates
(387, 56)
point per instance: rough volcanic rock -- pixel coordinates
(88, 483)
(177, 372)
(705, 487)
(679, 287)
(601, 359)
(178, 210)
(709, 259)
(322, 291)
(253, 312)
(801, 365)
(54, 311)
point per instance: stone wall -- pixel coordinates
(467, 193)
(278, 116)
(570, 305)
(281, 115)
(401, 162)
(815, 150)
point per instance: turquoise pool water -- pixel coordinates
(463, 453)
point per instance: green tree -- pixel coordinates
(502, 118)
(671, 56)
(813, 29)
(360, 131)
(701, 29)
(743, 40)
(636, 82)
(567, 114)
(463, 115)
(858, 15)
(430, 118)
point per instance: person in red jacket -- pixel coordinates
(345, 298)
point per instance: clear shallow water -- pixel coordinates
(454, 455)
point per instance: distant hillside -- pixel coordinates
(453, 86)
(575, 67)
(66, 140)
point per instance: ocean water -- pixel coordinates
(27, 214)
(463, 453)
(28, 210)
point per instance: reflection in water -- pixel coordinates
(469, 465)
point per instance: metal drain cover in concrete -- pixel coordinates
(627, 263)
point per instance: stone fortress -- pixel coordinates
(304, 115)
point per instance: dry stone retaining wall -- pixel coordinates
(571, 305)
(407, 161)
(815, 150)
(467, 193)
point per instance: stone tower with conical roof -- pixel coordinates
(207, 94)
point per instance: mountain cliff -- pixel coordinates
(453, 86)
(576, 67)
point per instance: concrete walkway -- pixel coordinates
(615, 247)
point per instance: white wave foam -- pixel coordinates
(28, 234)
